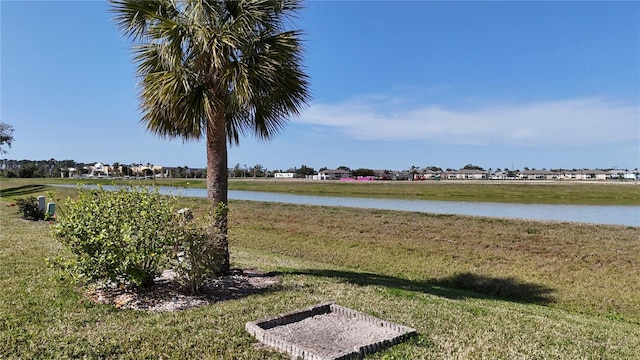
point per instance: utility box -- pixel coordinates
(51, 209)
(41, 202)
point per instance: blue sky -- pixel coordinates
(395, 84)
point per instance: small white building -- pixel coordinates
(631, 175)
(284, 175)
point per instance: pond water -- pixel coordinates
(608, 214)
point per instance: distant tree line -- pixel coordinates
(37, 168)
(55, 168)
(258, 171)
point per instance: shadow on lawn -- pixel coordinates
(472, 285)
(22, 190)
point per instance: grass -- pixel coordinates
(473, 287)
(556, 192)
(562, 265)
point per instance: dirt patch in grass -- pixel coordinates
(166, 295)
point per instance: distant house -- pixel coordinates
(465, 174)
(382, 174)
(622, 174)
(335, 174)
(98, 169)
(538, 175)
(501, 175)
(596, 175)
(427, 174)
(616, 174)
(70, 172)
(573, 175)
(631, 175)
(149, 170)
(171, 172)
(402, 175)
(585, 174)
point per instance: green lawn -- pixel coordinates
(474, 288)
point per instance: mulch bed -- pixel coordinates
(166, 294)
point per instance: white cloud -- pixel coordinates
(563, 122)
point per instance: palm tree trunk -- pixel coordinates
(217, 184)
(217, 181)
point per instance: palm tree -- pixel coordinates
(215, 70)
(6, 136)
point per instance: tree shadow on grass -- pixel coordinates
(22, 190)
(459, 286)
(508, 288)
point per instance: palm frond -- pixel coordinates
(199, 59)
(134, 17)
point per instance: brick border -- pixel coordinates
(258, 330)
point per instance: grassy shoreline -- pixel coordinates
(542, 192)
(574, 193)
(473, 287)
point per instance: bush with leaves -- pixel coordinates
(201, 253)
(124, 235)
(30, 209)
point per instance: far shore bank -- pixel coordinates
(525, 191)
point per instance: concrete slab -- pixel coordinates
(328, 331)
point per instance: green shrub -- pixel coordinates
(201, 251)
(124, 235)
(29, 208)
